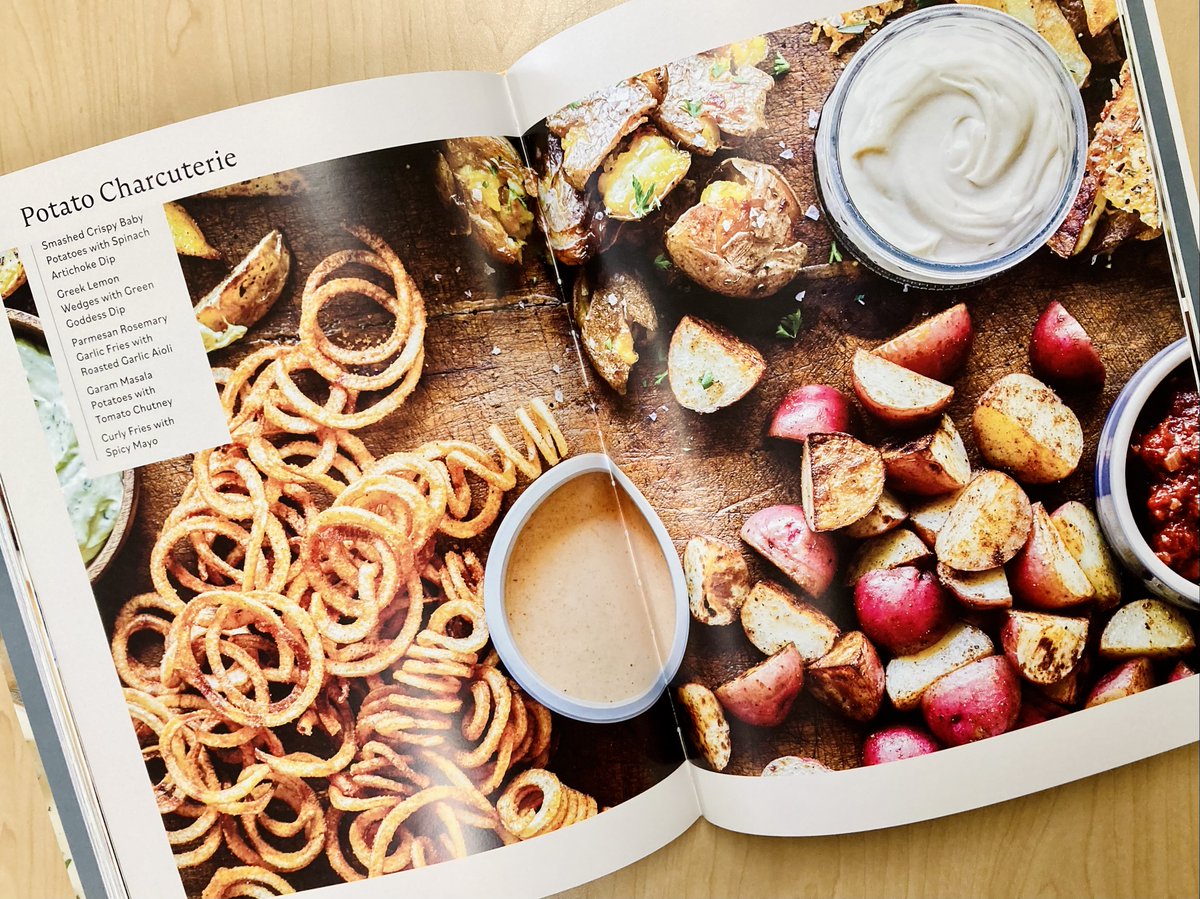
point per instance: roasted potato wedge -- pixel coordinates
(841, 480)
(1044, 574)
(979, 590)
(1044, 648)
(1100, 14)
(1147, 627)
(718, 580)
(928, 517)
(936, 348)
(189, 239)
(931, 465)
(709, 368)
(484, 178)
(988, 525)
(606, 314)
(637, 178)
(772, 618)
(246, 294)
(890, 550)
(789, 765)
(287, 183)
(1134, 676)
(889, 513)
(12, 273)
(709, 729)
(740, 239)
(781, 535)
(849, 678)
(1081, 535)
(895, 395)
(763, 695)
(907, 677)
(1021, 425)
(1072, 689)
(591, 128)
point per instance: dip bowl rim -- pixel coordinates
(495, 611)
(1113, 506)
(24, 324)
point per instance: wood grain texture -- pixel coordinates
(74, 74)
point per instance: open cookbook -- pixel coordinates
(790, 421)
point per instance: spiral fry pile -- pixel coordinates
(312, 674)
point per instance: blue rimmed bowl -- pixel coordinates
(1113, 505)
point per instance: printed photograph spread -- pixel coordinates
(816, 401)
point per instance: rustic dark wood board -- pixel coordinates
(707, 474)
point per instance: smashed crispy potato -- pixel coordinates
(485, 178)
(591, 128)
(566, 217)
(740, 239)
(711, 93)
(636, 179)
(605, 313)
(236, 304)
(287, 183)
(189, 239)
(844, 28)
(710, 730)
(12, 273)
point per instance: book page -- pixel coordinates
(918, 505)
(296, 405)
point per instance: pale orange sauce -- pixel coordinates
(588, 593)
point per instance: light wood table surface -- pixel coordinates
(75, 74)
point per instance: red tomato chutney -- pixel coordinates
(1171, 453)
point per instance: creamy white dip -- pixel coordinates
(955, 143)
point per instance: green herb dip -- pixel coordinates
(92, 503)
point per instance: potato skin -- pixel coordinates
(485, 179)
(1133, 676)
(1060, 350)
(893, 744)
(902, 609)
(936, 348)
(246, 294)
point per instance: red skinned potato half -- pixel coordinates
(979, 700)
(1044, 574)
(1134, 676)
(1062, 352)
(781, 535)
(849, 678)
(763, 695)
(811, 409)
(902, 609)
(895, 743)
(936, 348)
(1181, 671)
(895, 395)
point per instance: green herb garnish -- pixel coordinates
(781, 66)
(691, 107)
(575, 105)
(644, 200)
(853, 29)
(789, 325)
(835, 255)
(706, 380)
(660, 377)
(662, 263)
(608, 344)
(861, 299)
(719, 68)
